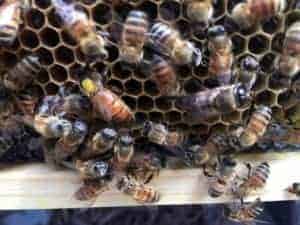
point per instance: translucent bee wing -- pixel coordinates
(197, 56)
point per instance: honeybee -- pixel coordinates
(221, 55)
(249, 67)
(165, 77)
(51, 126)
(71, 140)
(168, 40)
(140, 192)
(200, 11)
(134, 36)
(100, 143)
(27, 102)
(90, 189)
(214, 102)
(11, 18)
(6, 102)
(294, 189)
(244, 213)
(256, 127)
(83, 30)
(256, 179)
(251, 12)
(289, 61)
(105, 103)
(123, 151)
(22, 74)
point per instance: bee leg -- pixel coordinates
(249, 167)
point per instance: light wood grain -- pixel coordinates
(37, 186)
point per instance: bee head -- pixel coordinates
(99, 169)
(249, 63)
(216, 31)
(242, 95)
(60, 127)
(126, 140)
(109, 134)
(95, 50)
(80, 129)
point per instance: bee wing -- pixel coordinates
(106, 113)
(7, 14)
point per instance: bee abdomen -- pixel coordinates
(267, 8)
(261, 173)
(292, 40)
(160, 32)
(146, 194)
(8, 34)
(217, 188)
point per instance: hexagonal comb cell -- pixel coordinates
(64, 55)
(102, 14)
(29, 39)
(49, 37)
(258, 44)
(35, 18)
(169, 10)
(43, 4)
(58, 73)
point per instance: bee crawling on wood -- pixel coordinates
(123, 151)
(168, 40)
(200, 11)
(221, 55)
(294, 189)
(76, 22)
(139, 191)
(11, 17)
(251, 12)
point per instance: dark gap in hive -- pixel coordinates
(64, 55)
(258, 44)
(199, 129)
(115, 30)
(121, 11)
(145, 103)
(292, 17)
(58, 73)
(45, 56)
(141, 117)
(36, 90)
(133, 87)
(277, 42)
(173, 116)
(267, 62)
(54, 19)
(9, 59)
(35, 18)
(88, 2)
(113, 53)
(192, 86)
(51, 89)
(260, 83)
(219, 8)
(29, 39)
(102, 14)
(67, 38)
(169, 10)
(272, 25)
(163, 103)
(184, 28)
(79, 55)
(130, 101)
(49, 37)
(183, 71)
(156, 117)
(42, 76)
(143, 71)
(218, 128)
(23, 52)
(119, 71)
(233, 117)
(44, 4)
(277, 113)
(71, 87)
(150, 8)
(238, 44)
(151, 88)
(77, 72)
(211, 82)
(101, 67)
(286, 98)
(265, 98)
(198, 32)
(116, 86)
(229, 24)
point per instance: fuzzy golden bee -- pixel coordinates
(211, 103)
(139, 192)
(289, 61)
(169, 41)
(247, 73)
(11, 17)
(257, 179)
(123, 151)
(22, 74)
(221, 56)
(164, 76)
(83, 30)
(106, 104)
(200, 11)
(256, 127)
(244, 213)
(134, 36)
(251, 12)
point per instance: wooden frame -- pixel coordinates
(37, 186)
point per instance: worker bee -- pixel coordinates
(256, 126)
(200, 11)
(90, 189)
(249, 67)
(22, 74)
(168, 40)
(105, 103)
(27, 102)
(70, 141)
(6, 102)
(214, 102)
(51, 126)
(83, 30)
(134, 36)
(123, 151)
(11, 17)
(294, 189)
(221, 55)
(140, 192)
(159, 134)
(244, 213)
(289, 61)
(256, 179)
(251, 12)
(164, 77)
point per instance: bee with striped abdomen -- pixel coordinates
(251, 12)
(200, 11)
(221, 56)
(169, 41)
(247, 73)
(11, 13)
(134, 36)
(22, 74)
(82, 29)
(140, 192)
(123, 151)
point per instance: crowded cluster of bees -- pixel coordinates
(118, 89)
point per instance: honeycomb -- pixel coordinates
(63, 62)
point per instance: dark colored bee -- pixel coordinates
(123, 151)
(294, 189)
